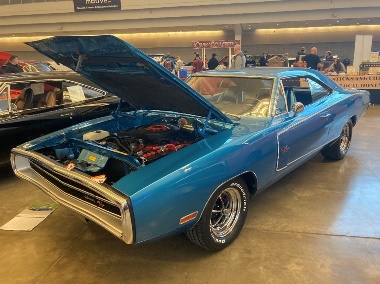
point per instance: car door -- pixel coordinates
(307, 131)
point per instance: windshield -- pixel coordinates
(36, 67)
(236, 96)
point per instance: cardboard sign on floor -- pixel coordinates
(28, 219)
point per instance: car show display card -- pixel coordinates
(28, 219)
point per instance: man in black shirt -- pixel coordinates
(12, 65)
(312, 60)
(213, 62)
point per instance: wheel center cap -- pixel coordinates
(226, 211)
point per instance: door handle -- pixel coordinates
(326, 115)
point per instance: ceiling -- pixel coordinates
(152, 16)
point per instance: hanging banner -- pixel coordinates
(96, 5)
(366, 82)
(215, 44)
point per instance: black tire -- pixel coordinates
(338, 150)
(223, 217)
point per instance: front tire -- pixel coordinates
(223, 217)
(338, 150)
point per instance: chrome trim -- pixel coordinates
(121, 226)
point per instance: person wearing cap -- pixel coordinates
(213, 62)
(328, 56)
(300, 54)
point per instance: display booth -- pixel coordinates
(203, 45)
(367, 78)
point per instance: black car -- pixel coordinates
(33, 104)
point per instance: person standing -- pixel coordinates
(301, 54)
(168, 63)
(197, 64)
(264, 59)
(178, 65)
(213, 62)
(238, 61)
(312, 60)
(12, 66)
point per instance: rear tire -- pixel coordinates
(223, 217)
(338, 150)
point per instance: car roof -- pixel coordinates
(273, 72)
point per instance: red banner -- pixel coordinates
(215, 44)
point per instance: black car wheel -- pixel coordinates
(338, 150)
(223, 217)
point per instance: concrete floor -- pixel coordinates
(320, 224)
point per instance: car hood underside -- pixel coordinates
(127, 72)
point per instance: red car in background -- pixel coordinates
(27, 65)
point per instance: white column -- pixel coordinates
(363, 46)
(238, 32)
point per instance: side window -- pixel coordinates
(317, 90)
(303, 90)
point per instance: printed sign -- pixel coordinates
(215, 44)
(96, 5)
(368, 82)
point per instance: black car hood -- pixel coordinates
(127, 72)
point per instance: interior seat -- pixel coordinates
(49, 99)
(290, 97)
(25, 99)
(232, 95)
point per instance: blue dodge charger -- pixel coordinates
(188, 155)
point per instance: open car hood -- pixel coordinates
(127, 72)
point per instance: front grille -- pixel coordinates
(76, 189)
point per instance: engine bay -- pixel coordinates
(107, 157)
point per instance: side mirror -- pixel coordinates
(298, 108)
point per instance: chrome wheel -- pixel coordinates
(223, 217)
(345, 139)
(225, 212)
(338, 149)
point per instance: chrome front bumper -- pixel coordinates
(102, 204)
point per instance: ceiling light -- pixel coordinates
(337, 21)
